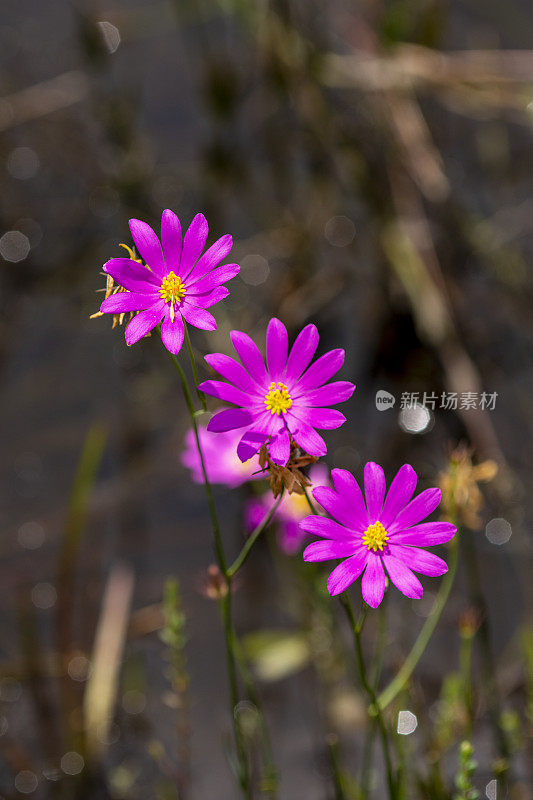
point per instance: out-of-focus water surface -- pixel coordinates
(371, 189)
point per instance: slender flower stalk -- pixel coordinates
(201, 395)
(253, 537)
(225, 600)
(375, 673)
(374, 710)
(219, 548)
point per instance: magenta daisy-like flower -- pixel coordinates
(383, 535)
(178, 283)
(286, 398)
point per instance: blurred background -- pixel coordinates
(373, 162)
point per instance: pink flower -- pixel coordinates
(221, 460)
(292, 509)
(381, 536)
(178, 283)
(287, 397)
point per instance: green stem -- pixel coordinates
(333, 749)
(251, 540)
(368, 746)
(225, 603)
(375, 710)
(270, 778)
(229, 636)
(219, 548)
(399, 681)
(201, 395)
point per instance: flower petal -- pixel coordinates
(215, 278)
(277, 347)
(326, 550)
(229, 419)
(193, 244)
(309, 440)
(212, 256)
(426, 534)
(347, 572)
(420, 560)
(321, 371)
(171, 239)
(416, 510)
(373, 583)
(330, 394)
(279, 448)
(226, 392)
(345, 484)
(328, 528)
(148, 246)
(198, 317)
(144, 322)
(402, 577)
(232, 371)
(374, 490)
(325, 419)
(302, 352)
(172, 333)
(127, 301)
(250, 356)
(400, 492)
(209, 299)
(131, 275)
(250, 443)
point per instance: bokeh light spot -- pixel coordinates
(491, 790)
(254, 269)
(26, 781)
(339, 231)
(407, 723)
(415, 419)
(43, 595)
(72, 763)
(31, 535)
(498, 531)
(79, 668)
(110, 35)
(23, 163)
(133, 702)
(14, 246)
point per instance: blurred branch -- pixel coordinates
(109, 642)
(43, 98)
(413, 66)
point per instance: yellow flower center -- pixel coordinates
(171, 291)
(278, 399)
(375, 537)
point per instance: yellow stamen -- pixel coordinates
(278, 399)
(375, 537)
(172, 291)
(131, 253)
